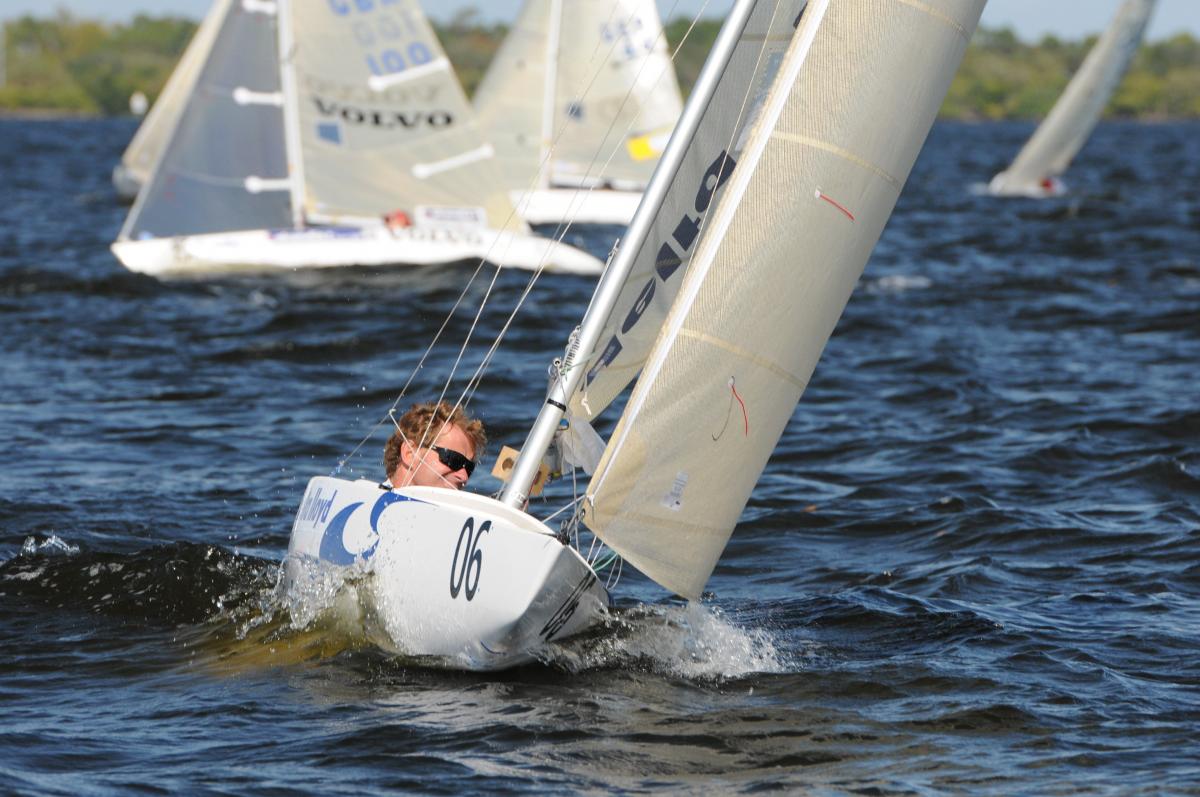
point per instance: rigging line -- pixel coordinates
(563, 227)
(631, 408)
(420, 364)
(577, 200)
(560, 231)
(576, 204)
(559, 511)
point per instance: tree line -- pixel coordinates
(64, 64)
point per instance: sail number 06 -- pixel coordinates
(468, 559)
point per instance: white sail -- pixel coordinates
(154, 132)
(662, 258)
(224, 168)
(592, 78)
(382, 116)
(1066, 128)
(814, 184)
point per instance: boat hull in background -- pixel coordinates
(329, 247)
(576, 205)
(453, 578)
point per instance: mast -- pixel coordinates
(591, 328)
(291, 110)
(549, 90)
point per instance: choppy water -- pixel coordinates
(972, 566)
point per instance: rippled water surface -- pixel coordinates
(972, 565)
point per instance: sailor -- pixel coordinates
(435, 445)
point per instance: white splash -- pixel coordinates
(51, 545)
(692, 641)
(898, 283)
(309, 590)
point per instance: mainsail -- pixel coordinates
(663, 256)
(593, 79)
(813, 185)
(154, 132)
(382, 115)
(225, 167)
(1066, 128)
(364, 110)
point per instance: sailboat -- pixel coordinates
(131, 173)
(327, 134)
(580, 95)
(1037, 168)
(771, 194)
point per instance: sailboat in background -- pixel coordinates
(580, 95)
(328, 134)
(772, 192)
(147, 144)
(1035, 171)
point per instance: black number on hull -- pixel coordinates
(466, 573)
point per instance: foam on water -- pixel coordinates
(51, 545)
(691, 641)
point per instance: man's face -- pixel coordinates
(427, 469)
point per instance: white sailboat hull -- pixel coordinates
(1003, 185)
(457, 577)
(576, 206)
(329, 247)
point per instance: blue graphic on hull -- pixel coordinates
(333, 547)
(333, 542)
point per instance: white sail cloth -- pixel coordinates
(662, 259)
(821, 170)
(148, 143)
(382, 116)
(1070, 122)
(231, 131)
(593, 79)
(374, 117)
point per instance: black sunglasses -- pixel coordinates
(454, 460)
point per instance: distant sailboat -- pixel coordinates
(772, 192)
(1036, 170)
(155, 130)
(327, 134)
(580, 94)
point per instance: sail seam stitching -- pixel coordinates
(933, 12)
(737, 350)
(841, 153)
(709, 247)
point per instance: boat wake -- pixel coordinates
(237, 614)
(691, 641)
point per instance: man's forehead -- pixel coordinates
(454, 432)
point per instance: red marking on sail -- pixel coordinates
(836, 204)
(745, 415)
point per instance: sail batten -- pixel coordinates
(382, 116)
(835, 132)
(153, 135)
(198, 184)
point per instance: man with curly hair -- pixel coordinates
(435, 445)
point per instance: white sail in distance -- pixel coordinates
(662, 258)
(382, 115)
(814, 184)
(225, 167)
(155, 131)
(594, 80)
(1070, 122)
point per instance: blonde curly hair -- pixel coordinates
(424, 422)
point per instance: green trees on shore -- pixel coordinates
(63, 64)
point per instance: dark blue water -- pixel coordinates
(972, 566)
